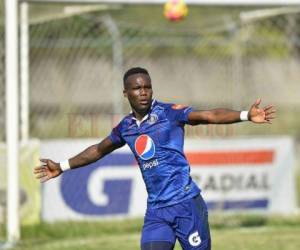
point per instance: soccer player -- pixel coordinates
(154, 131)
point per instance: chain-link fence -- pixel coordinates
(209, 60)
(77, 62)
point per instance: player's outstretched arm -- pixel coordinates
(227, 116)
(50, 169)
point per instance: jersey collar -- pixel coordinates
(138, 123)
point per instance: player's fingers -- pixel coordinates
(271, 112)
(257, 102)
(268, 107)
(270, 117)
(39, 170)
(44, 161)
(41, 167)
(42, 175)
(268, 120)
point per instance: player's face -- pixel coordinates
(138, 90)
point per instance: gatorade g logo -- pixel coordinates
(194, 239)
(144, 147)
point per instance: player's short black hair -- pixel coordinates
(132, 71)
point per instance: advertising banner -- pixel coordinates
(250, 174)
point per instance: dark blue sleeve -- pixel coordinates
(116, 137)
(179, 113)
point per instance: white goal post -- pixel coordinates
(12, 149)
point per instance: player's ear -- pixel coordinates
(125, 93)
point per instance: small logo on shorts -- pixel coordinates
(194, 239)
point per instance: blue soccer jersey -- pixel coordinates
(157, 144)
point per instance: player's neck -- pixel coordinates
(139, 115)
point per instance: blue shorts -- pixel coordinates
(186, 221)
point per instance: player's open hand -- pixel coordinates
(261, 115)
(48, 170)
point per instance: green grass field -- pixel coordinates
(248, 232)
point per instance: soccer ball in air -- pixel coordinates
(175, 10)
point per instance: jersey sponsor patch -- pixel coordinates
(178, 106)
(144, 147)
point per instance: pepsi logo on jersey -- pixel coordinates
(144, 147)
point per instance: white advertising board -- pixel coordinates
(250, 174)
